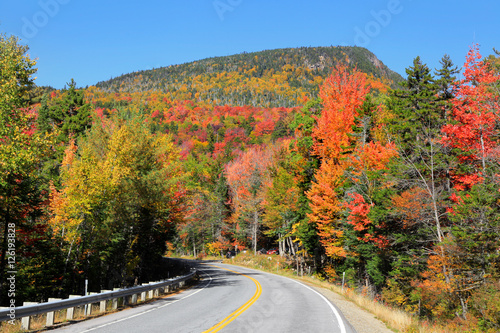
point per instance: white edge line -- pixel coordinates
(153, 309)
(337, 314)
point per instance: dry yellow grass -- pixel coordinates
(5, 327)
(396, 319)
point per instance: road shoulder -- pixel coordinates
(361, 320)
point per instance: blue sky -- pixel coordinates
(92, 40)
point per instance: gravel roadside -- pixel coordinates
(361, 320)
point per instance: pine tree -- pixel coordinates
(70, 113)
(66, 116)
(421, 174)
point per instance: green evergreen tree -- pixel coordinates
(70, 113)
(421, 172)
(447, 77)
(67, 117)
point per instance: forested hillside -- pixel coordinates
(398, 187)
(272, 78)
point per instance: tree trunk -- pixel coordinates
(483, 155)
(464, 308)
(194, 248)
(281, 245)
(292, 247)
(255, 228)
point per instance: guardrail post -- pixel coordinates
(143, 296)
(150, 293)
(133, 299)
(70, 312)
(115, 301)
(25, 321)
(102, 304)
(89, 306)
(156, 291)
(50, 315)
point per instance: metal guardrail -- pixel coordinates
(41, 308)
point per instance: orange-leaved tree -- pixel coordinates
(343, 93)
(247, 177)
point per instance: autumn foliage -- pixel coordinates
(476, 114)
(339, 149)
(397, 189)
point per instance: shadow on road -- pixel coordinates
(211, 277)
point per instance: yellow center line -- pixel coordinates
(241, 309)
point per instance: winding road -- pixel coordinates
(228, 299)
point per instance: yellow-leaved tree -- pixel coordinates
(21, 151)
(121, 193)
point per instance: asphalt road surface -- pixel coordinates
(228, 299)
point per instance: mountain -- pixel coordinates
(271, 78)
